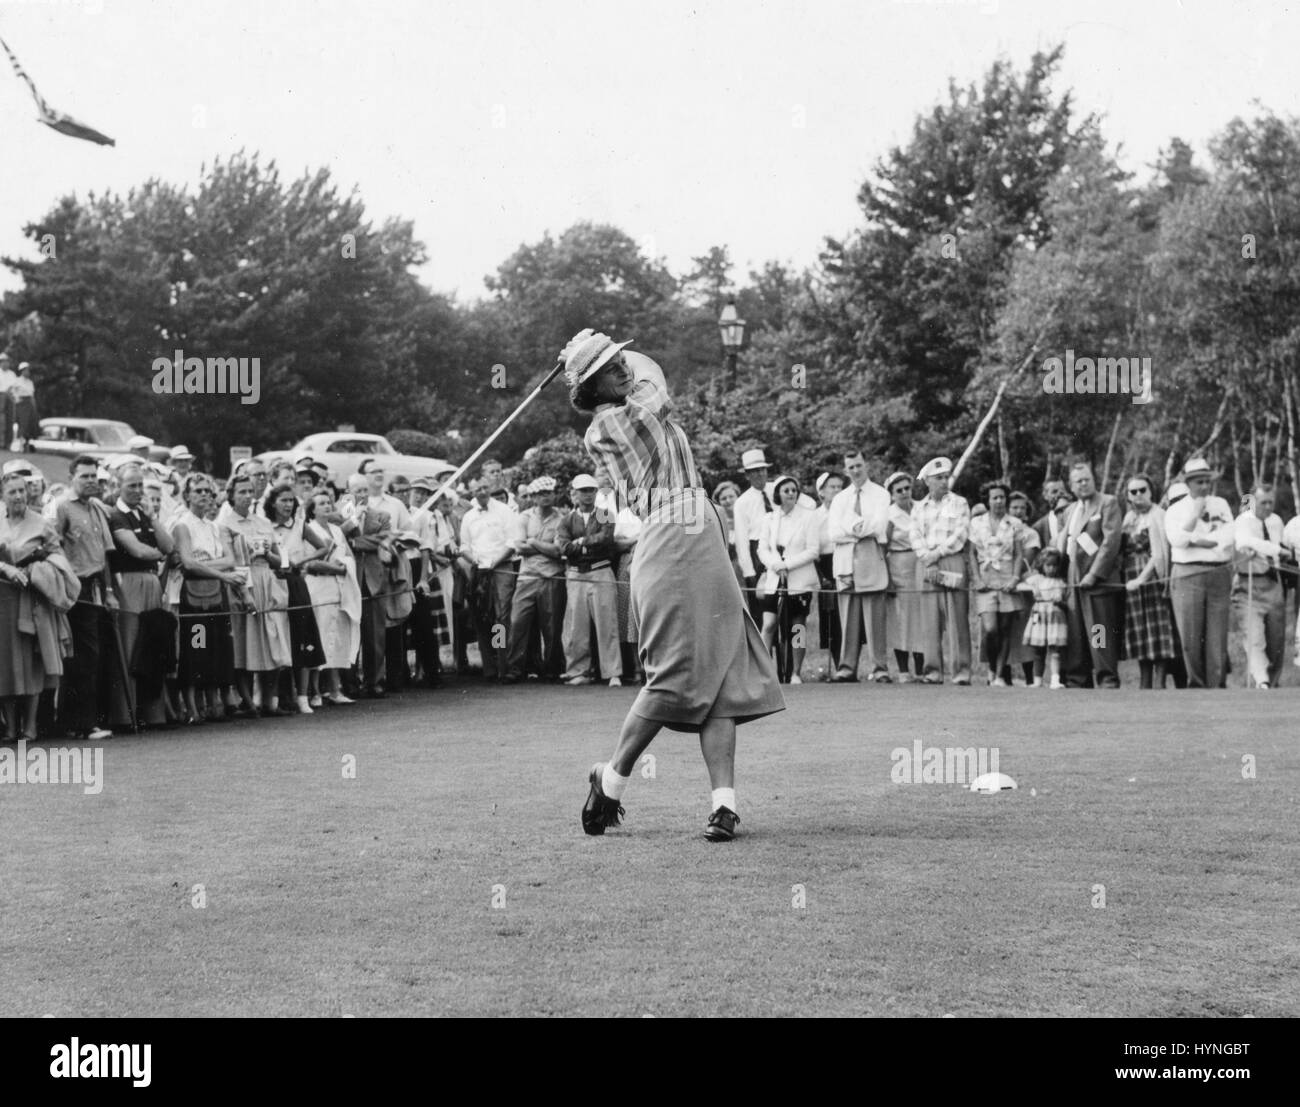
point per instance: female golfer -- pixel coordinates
(705, 666)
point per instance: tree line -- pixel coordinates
(1001, 235)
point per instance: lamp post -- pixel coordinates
(732, 328)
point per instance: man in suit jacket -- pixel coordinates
(1090, 538)
(858, 524)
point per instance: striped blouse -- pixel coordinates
(644, 452)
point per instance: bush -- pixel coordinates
(419, 444)
(562, 457)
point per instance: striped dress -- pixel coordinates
(702, 654)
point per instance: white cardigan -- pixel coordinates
(801, 550)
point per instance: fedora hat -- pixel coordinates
(753, 459)
(1199, 467)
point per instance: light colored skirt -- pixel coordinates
(903, 610)
(262, 642)
(702, 654)
(338, 631)
(22, 672)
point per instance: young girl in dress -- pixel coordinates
(1047, 628)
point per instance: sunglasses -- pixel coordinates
(1139, 491)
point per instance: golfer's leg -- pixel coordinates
(718, 744)
(636, 735)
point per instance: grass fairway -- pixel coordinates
(374, 895)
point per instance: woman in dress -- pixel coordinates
(1145, 554)
(903, 611)
(261, 633)
(705, 666)
(298, 549)
(998, 554)
(207, 576)
(26, 539)
(336, 599)
(788, 546)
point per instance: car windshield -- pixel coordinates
(113, 436)
(358, 446)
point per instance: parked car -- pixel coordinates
(344, 453)
(70, 436)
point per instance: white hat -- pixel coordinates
(136, 441)
(586, 354)
(753, 459)
(181, 453)
(583, 480)
(772, 486)
(1198, 467)
(542, 484)
(18, 466)
(936, 467)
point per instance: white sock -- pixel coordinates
(611, 783)
(724, 797)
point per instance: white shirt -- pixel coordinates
(1219, 527)
(486, 534)
(846, 526)
(748, 516)
(1258, 542)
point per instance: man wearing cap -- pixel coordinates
(540, 592)
(85, 533)
(859, 526)
(485, 536)
(139, 445)
(181, 461)
(940, 530)
(750, 514)
(586, 538)
(1257, 592)
(1201, 534)
(1091, 536)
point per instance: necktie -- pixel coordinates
(857, 504)
(767, 504)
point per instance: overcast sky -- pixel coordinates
(686, 124)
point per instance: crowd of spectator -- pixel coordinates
(150, 595)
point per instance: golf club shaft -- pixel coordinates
(450, 482)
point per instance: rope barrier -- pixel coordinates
(1203, 568)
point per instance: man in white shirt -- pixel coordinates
(1257, 591)
(749, 515)
(858, 524)
(486, 539)
(1201, 532)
